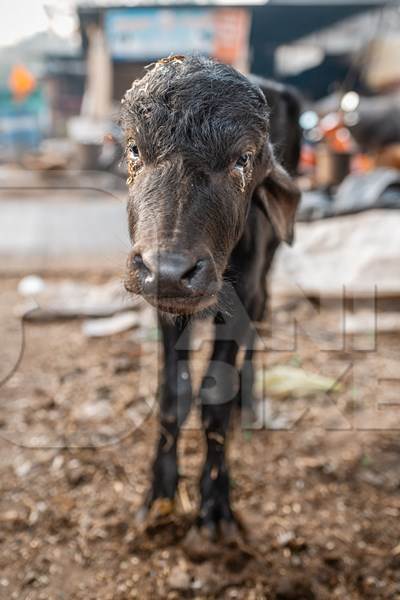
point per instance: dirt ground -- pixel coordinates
(318, 490)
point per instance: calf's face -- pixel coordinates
(196, 135)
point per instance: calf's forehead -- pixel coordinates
(192, 95)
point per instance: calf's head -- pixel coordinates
(197, 149)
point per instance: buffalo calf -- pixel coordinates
(209, 201)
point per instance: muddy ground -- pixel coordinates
(319, 495)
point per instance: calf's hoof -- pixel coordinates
(216, 521)
(206, 542)
(158, 511)
(159, 503)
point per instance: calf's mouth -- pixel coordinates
(182, 305)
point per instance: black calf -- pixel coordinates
(208, 204)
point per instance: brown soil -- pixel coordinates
(320, 501)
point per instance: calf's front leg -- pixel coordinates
(219, 389)
(175, 402)
(223, 386)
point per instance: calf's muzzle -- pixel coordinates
(167, 276)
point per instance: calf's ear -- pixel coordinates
(279, 197)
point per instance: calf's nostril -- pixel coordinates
(137, 259)
(192, 271)
(139, 264)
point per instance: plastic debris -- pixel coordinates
(73, 299)
(110, 325)
(31, 285)
(359, 253)
(285, 381)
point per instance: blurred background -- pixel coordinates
(65, 66)
(317, 476)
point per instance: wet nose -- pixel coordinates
(173, 274)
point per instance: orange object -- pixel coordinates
(307, 158)
(340, 140)
(232, 28)
(21, 82)
(389, 156)
(362, 163)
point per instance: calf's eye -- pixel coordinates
(133, 152)
(243, 160)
